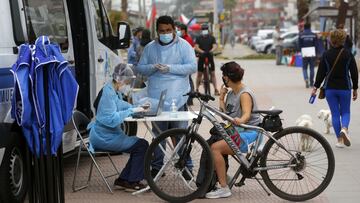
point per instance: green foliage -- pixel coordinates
(230, 4)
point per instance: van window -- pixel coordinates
(99, 30)
(46, 17)
(103, 27)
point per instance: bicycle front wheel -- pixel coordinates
(176, 180)
(306, 172)
(207, 80)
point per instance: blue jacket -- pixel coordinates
(105, 131)
(180, 57)
(307, 39)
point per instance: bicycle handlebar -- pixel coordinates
(203, 97)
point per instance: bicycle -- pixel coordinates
(290, 171)
(207, 74)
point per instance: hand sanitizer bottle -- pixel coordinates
(173, 109)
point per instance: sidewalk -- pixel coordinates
(240, 50)
(279, 86)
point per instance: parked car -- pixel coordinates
(264, 46)
(287, 37)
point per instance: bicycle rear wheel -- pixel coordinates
(306, 178)
(172, 184)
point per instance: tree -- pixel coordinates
(229, 5)
(124, 8)
(303, 8)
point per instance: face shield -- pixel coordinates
(124, 75)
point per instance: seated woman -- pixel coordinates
(106, 133)
(239, 104)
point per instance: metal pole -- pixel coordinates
(144, 12)
(139, 12)
(49, 162)
(322, 19)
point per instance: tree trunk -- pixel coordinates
(124, 8)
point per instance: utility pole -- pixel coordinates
(139, 13)
(144, 12)
(216, 22)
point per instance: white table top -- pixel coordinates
(166, 116)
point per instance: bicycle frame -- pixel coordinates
(205, 111)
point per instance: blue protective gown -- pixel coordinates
(180, 57)
(62, 89)
(22, 101)
(132, 55)
(105, 131)
(62, 92)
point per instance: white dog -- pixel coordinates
(325, 115)
(305, 141)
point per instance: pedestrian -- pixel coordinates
(132, 54)
(339, 72)
(183, 33)
(205, 45)
(145, 39)
(240, 102)
(167, 61)
(278, 44)
(106, 133)
(308, 39)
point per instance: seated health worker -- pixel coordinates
(239, 103)
(106, 133)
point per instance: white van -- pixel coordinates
(84, 33)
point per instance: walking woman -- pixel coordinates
(339, 72)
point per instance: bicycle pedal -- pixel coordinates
(239, 184)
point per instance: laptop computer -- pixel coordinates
(155, 112)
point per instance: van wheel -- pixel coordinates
(13, 179)
(130, 128)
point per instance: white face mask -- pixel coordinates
(205, 32)
(125, 89)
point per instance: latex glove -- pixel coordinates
(162, 68)
(146, 106)
(138, 109)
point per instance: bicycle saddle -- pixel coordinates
(273, 112)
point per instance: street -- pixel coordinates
(281, 87)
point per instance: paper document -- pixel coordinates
(308, 52)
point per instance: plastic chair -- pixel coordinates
(80, 122)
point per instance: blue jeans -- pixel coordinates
(158, 161)
(339, 103)
(309, 61)
(134, 169)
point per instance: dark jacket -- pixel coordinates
(307, 39)
(340, 77)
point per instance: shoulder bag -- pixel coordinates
(322, 88)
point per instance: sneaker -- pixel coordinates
(345, 137)
(219, 192)
(339, 145)
(121, 184)
(133, 187)
(306, 83)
